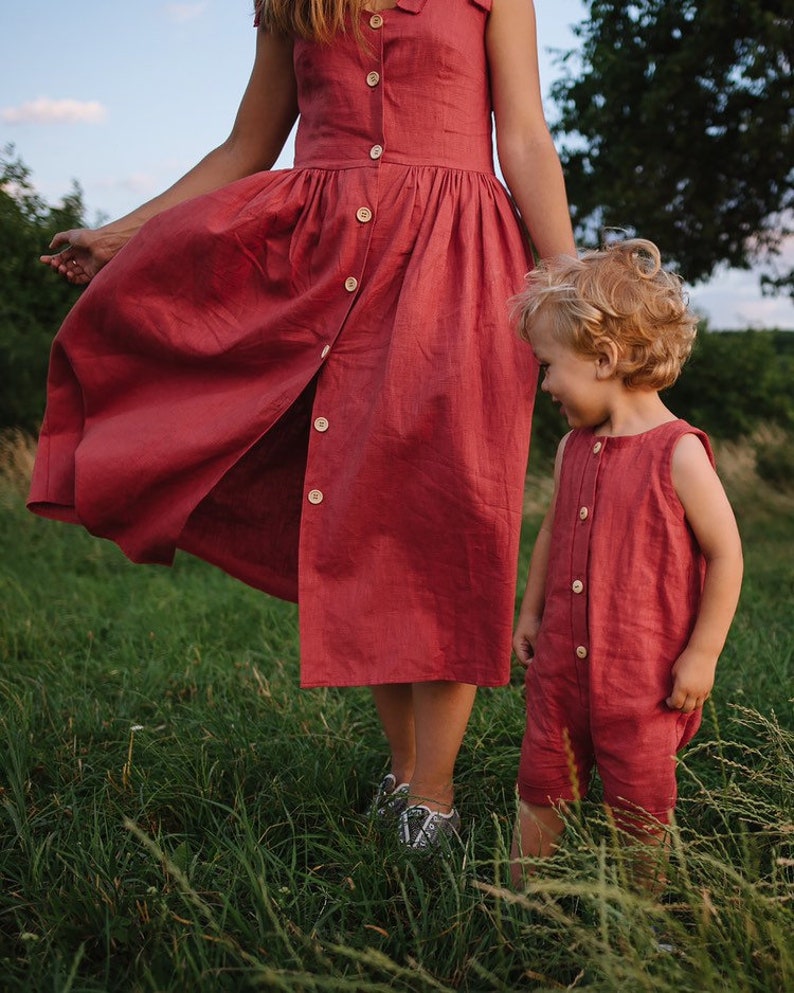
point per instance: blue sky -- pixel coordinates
(125, 97)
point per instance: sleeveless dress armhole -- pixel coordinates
(485, 5)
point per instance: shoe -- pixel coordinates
(662, 942)
(391, 798)
(420, 827)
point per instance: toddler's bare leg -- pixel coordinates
(646, 851)
(537, 833)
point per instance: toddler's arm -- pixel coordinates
(711, 518)
(528, 623)
(531, 611)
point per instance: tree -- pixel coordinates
(675, 121)
(33, 301)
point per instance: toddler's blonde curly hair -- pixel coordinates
(619, 294)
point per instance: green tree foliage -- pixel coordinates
(676, 123)
(33, 301)
(735, 381)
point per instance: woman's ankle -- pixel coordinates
(438, 796)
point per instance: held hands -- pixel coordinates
(82, 253)
(693, 679)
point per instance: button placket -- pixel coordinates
(361, 215)
(374, 80)
(580, 556)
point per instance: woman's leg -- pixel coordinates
(424, 725)
(441, 715)
(394, 703)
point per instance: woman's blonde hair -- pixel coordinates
(317, 20)
(621, 295)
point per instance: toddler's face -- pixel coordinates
(569, 377)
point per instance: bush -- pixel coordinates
(775, 460)
(33, 301)
(735, 381)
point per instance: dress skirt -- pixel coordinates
(310, 377)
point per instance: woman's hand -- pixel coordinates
(82, 252)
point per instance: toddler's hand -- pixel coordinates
(693, 679)
(524, 638)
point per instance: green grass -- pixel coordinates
(175, 814)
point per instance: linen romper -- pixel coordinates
(310, 378)
(623, 589)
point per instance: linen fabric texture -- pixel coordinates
(310, 378)
(623, 589)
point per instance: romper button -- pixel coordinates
(597, 447)
(315, 496)
(325, 351)
(376, 21)
(577, 586)
(583, 512)
(364, 214)
(376, 151)
(351, 283)
(581, 651)
(321, 424)
(373, 78)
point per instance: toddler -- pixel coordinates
(636, 571)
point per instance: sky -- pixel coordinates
(124, 97)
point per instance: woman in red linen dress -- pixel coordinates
(309, 377)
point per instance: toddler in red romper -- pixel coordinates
(636, 570)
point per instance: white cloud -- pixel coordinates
(181, 12)
(44, 110)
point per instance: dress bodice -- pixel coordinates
(413, 91)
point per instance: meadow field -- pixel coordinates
(176, 815)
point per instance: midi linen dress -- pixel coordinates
(623, 589)
(309, 377)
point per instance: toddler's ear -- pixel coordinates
(607, 360)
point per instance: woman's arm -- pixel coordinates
(711, 518)
(264, 119)
(528, 159)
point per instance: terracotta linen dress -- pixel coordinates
(622, 593)
(309, 377)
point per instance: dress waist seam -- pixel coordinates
(431, 166)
